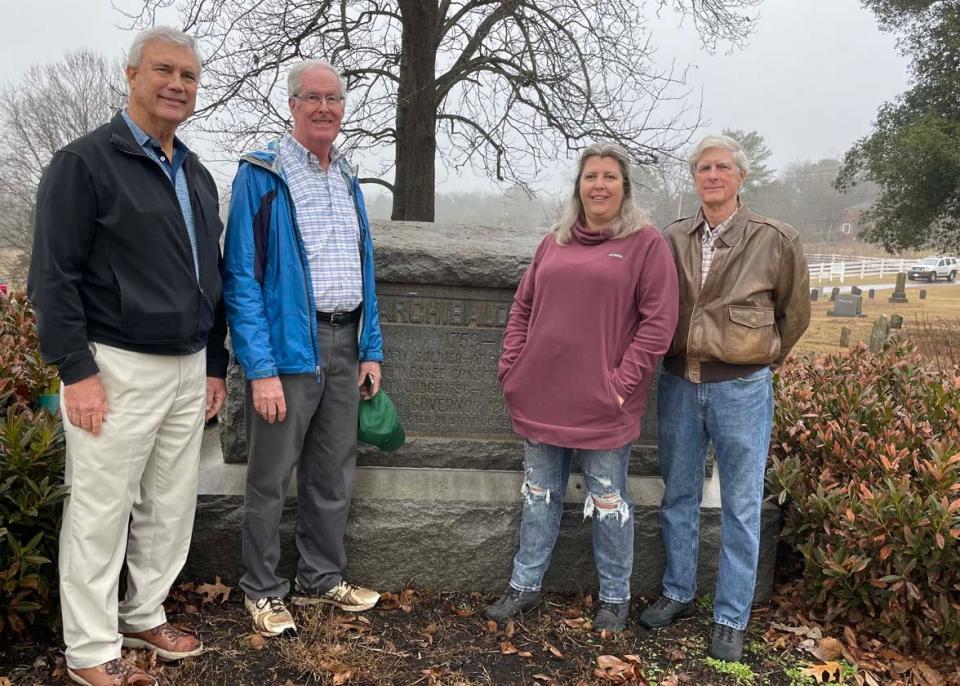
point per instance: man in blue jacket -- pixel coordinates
(301, 303)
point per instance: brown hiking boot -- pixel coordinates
(170, 642)
(117, 672)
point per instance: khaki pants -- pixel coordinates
(133, 492)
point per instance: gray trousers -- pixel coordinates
(319, 438)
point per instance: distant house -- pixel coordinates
(850, 219)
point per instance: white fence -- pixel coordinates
(830, 267)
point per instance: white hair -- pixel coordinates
(162, 34)
(722, 142)
(295, 77)
(630, 218)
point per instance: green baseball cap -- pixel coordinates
(379, 423)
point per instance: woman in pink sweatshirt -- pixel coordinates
(592, 317)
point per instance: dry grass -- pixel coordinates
(932, 321)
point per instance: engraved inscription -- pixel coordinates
(442, 347)
(444, 382)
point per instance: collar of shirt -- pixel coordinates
(152, 145)
(296, 149)
(712, 233)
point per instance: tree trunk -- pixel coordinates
(415, 175)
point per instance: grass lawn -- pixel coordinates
(936, 319)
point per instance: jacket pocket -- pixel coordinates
(749, 335)
(153, 314)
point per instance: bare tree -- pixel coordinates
(504, 87)
(50, 106)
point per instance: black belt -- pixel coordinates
(340, 318)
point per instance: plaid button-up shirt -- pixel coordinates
(708, 239)
(327, 219)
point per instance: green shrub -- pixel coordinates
(24, 376)
(31, 474)
(866, 457)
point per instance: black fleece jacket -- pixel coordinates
(112, 261)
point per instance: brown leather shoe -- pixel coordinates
(170, 642)
(117, 672)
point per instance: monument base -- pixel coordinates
(456, 530)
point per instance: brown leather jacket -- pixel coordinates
(754, 304)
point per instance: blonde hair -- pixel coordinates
(630, 218)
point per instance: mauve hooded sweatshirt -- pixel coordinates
(590, 321)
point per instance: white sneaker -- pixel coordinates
(344, 595)
(270, 616)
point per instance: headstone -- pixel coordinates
(845, 336)
(923, 293)
(847, 305)
(900, 291)
(896, 321)
(871, 294)
(855, 290)
(879, 334)
(814, 294)
(834, 293)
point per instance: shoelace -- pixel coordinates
(727, 633)
(663, 602)
(170, 632)
(276, 605)
(117, 667)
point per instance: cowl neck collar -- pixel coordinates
(583, 235)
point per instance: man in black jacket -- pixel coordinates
(125, 279)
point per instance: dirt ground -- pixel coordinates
(419, 637)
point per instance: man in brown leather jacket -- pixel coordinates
(744, 303)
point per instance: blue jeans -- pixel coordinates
(547, 469)
(737, 416)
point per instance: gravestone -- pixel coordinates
(855, 290)
(834, 293)
(847, 305)
(871, 294)
(423, 514)
(896, 321)
(900, 291)
(923, 293)
(814, 295)
(879, 334)
(845, 336)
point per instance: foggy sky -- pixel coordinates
(809, 80)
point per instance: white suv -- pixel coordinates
(932, 268)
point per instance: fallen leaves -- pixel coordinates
(403, 601)
(211, 592)
(828, 649)
(827, 673)
(620, 671)
(191, 597)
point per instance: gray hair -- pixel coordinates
(718, 141)
(630, 219)
(163, 34)
(295, 77)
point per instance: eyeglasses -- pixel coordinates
(313, 99)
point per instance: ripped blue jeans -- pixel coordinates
(547, 469)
